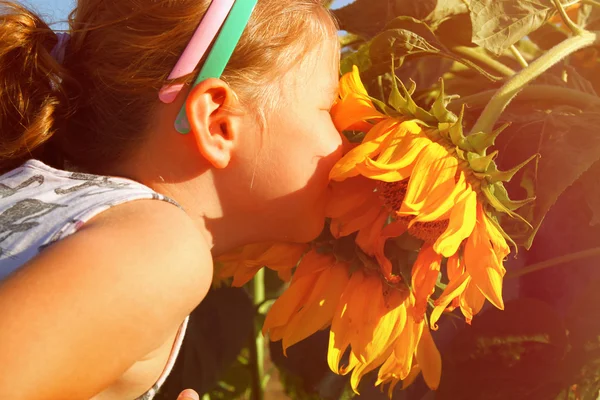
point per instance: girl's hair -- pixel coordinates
(92, 110)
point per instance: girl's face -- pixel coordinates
(282, 171)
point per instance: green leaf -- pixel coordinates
(365, 17)
(368, 17)
(569, 145)
(480, 141)
(497, 25)
(361, 58)
(456, 31)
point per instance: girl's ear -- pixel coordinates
(214, 126)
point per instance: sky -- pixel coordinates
(57, 10)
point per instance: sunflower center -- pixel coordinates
(428, 231)
(392, 194)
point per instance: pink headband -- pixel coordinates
(199, 43)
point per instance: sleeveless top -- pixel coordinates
(40, 205)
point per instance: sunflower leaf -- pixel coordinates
(497, 25)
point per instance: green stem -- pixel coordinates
(553, 262)
(518, 56)
(515, 84)
(257, 346)
(566, 20)
(547, 93)
(482, 58)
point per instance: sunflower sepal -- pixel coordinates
(439, 108)
(494, 221)
(480, 164)
(481, 141)
(502, 194)
(494, 175)
(489, 193)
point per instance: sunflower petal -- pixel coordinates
(456, 286)
(424, 276)
(471, 301)
(340, 333)
(352, 109)
(346, 167)
(319, 307)
(434, 168)
(461, 225)
(482, 262)
(429, 359)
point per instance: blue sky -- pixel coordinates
(57, 10)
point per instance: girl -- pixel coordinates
(113, 201)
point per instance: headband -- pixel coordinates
(222, 49)
(199, 43)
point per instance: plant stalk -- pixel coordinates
(257, 342)
(553, 262)
(547, 93)
(573, 27)
(518, 56)
(515, 84)
(483, 59)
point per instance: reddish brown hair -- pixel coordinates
(93, 109)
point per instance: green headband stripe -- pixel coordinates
(221, 52)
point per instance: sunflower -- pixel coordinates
(428, 188)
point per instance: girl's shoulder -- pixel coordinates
(40, 205)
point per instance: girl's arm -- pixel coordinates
(77, 316)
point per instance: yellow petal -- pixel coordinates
(388, 125)
(288, 304)
(355, 220)
(318, 309)
(352, 109)
(312, 263)
(346, 167)
(412, 376)
(434, 168)
(461, 225)
(243, 275)
(456, 286)
(429, 359)
(471, 301)
(401, 150)
(350, 82)
(340, 334)
(439, 204)
(348, 195)
(482, 262)
(368, 238)
(424, 276)
(405, 346)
